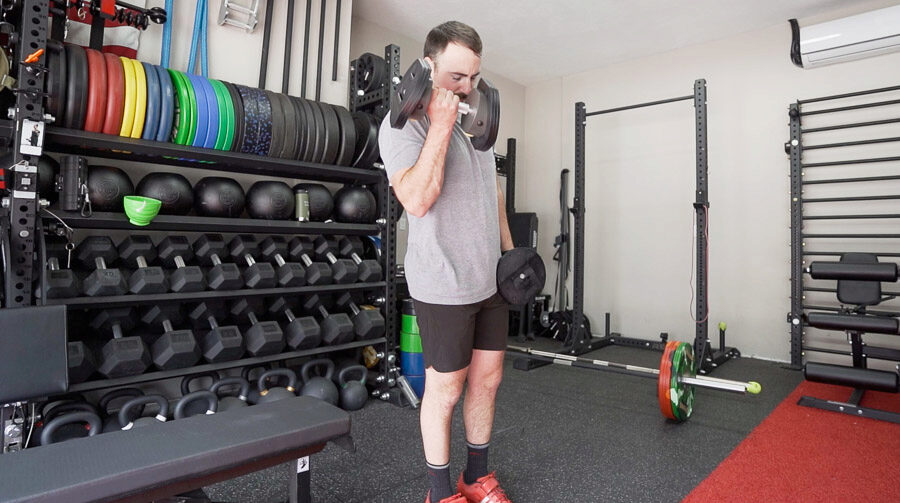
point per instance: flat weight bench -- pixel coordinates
(171, 458)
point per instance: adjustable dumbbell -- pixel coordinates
(174, 349)
(209, 250)
(367, 323)
(121, 356)
(343, 270)
(244, 248)
(59, 283)
(98, 252)
(336, 328)
(317, 273)
(220, 343)
(300, 333)
(352, 247)
(290, 274)
(176, 251)
(262, 337)
(137, 251)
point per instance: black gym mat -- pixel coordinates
(560, 434)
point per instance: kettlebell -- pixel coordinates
(319, 387)
(94, 426)
(111, 423)
(67, 430)
(126, 412)
(339, 367)
(195, 408)
(273, 394)
(353, 392)
(228, 402)
(207, 399)
(253, 396)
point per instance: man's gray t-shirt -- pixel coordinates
(452, 253)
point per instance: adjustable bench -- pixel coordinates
(171, 458)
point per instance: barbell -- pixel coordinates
(480, 109)
(676, 376)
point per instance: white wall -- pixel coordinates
(640, 181)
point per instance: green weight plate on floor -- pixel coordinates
(226, 116)
(410, 343)
(409, 324)
(185, 110)
(682, 394)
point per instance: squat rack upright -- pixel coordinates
(579, 340)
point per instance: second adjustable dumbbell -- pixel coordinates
(137, 251)
(244, 248)
(175, 251)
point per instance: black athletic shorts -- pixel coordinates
(450, 333)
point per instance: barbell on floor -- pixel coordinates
(676, 376)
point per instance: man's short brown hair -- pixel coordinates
(451, 32)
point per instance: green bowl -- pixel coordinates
(141, 210)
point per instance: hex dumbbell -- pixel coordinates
(317, 273)
(137, 251)
(59, 283)
(174, 349)
(121, 356)
(343, 270)
(262, 337)
(367, 323)
(244, 248)
(99, 252)
(209, 250)
(300, 332)
(176, 251)
(352, 247)
(219, 343)
(290, 274)
(336, 327)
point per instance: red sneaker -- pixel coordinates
(456, 498)
(484, 490)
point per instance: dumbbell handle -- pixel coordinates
(214, 258)
(290, 315)
(179, 262)
(100, 263)
(117, 331)
(323, 311)
(331, 258)
(253, 319)
(167, 326)
(212, 322)
(306, 260)
(249, 259)
(279, 260)
(53, 263)
(356, 258)
(354, 308)
(464, 108)
(141, 262)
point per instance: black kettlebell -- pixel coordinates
(107, 188)
(253, 396)
(320, 387)
(321, 204)
(196, 407)
(207, 399)
(111, 423)
(93, 427)
(270, 200)
(172, 189)
(228, 402)
(216, 196)
(353, 391)
(129, 410)
(354, 205)
(340, 365)
(67, 430)
(273, 394)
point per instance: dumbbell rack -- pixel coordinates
(23, 222)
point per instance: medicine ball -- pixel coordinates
(172, 189)
(320, 202)
(107, 188)
(354, 205)
(216, 196)
(270, 200)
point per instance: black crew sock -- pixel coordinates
(439, 480)
(477, 464)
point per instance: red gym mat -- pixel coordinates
(801, 454)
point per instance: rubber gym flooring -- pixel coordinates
(561, 434)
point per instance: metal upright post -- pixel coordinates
(794, 147)
(577, 338)
(701, 208)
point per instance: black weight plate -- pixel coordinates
(332, 134)
(250, 136)
(371, 72)
(265, 122)
(77, 87)
(238, 117)
(301, 127)
(289, 148)
(348, 136)
(520, 275)
(277, 131)
(56, 81)
(319, 118)
(309, 118)
(366, 149)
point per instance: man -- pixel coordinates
(457, 230)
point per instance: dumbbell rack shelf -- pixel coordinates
(170, 298)
(189, 223)
(168, 374)
(71, 141)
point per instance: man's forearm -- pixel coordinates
(420, 185)
(506, 241)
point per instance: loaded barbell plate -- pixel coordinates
(140, 101)
(115, 95)
(333, 137)
(97, 91)
(199, 138)
(348, 136)
(167, 104)
(226, 116)
(277, 142)
(212, 111)
(238, 105)
(291, 127)
(520, 275)
(664, 382)
(681, 394)
(130, 97)
(366, 148)
(76, 90)
(265, 122)
(371, 72)
(151, 118)
(250, 130)
(56, 81)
